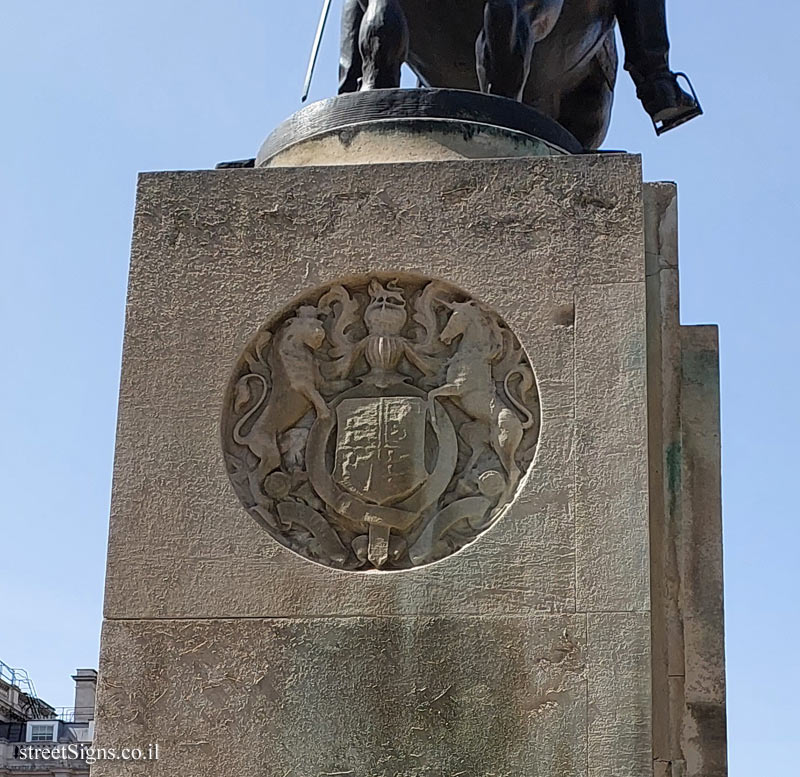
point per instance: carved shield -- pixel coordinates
(380, 447)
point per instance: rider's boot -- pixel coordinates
(349, 52)
(643, 25)
(383, 41)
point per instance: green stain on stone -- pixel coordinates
(674, 455)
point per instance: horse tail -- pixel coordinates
(237, 430)
(527, 383)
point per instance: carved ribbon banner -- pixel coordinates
(380, 424)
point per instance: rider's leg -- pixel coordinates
(504, 47)
(349, 51)
(643, 25)
(383, 43)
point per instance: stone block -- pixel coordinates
(527, 651)
(620, 694)
(611, 502)
(377, 697)
(215, 253)
(704, 734)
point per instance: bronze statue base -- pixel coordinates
(407, 125)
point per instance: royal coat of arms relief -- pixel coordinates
(380, 424)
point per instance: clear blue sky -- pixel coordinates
(93, 92)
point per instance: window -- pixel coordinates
(42, 732)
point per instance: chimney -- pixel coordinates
(85, 688)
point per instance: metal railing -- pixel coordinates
(18, 678)
(28, 703)
(68, 714)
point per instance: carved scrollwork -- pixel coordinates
(380, 424)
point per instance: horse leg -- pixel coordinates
(350, 63)
(383, 42)
(585, 110)
(504, 47)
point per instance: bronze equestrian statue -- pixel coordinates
(558, 56)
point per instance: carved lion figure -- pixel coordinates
(295, 389)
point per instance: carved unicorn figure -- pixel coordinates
(471, 387)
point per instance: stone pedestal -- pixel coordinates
(579, 634)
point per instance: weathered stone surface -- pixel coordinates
(619, 691)
(372, 697)
(664, 378)
(689, 736)
(215, 253)
(216, 631)
(611, 501)
(704, 734)
(414, 141)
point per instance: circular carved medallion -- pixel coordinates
(381, 423)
